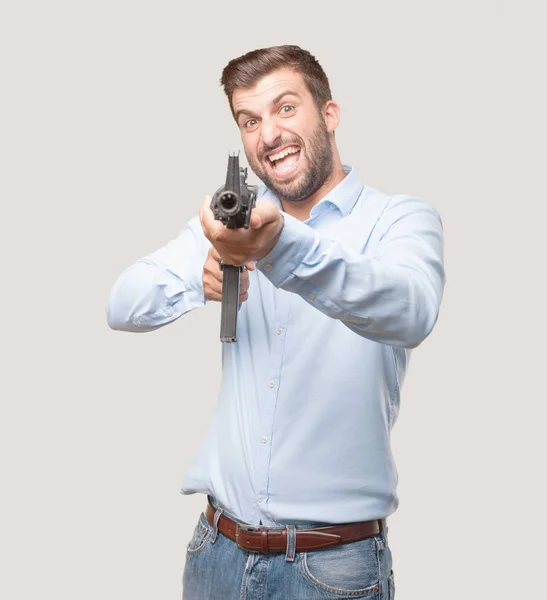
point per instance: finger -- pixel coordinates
(207, 218)
(251, 265)
(213, 273)
(244, 281)
(214, 297)
(211, 269)
(264, 212)
(205, 205)
(212, 292)
(202, 220)
(214, 255)
(212, 283)
(256, 220)
(243, 297)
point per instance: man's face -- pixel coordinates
(286, 141)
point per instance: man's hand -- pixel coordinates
(239, 246)
(212, 278)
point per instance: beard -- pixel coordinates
(320, 160)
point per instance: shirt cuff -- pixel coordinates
(294, 243)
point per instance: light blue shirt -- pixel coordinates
(311, 389)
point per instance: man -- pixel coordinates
(341, 282)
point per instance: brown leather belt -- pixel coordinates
(265, 539)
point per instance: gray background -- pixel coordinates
(113, 127)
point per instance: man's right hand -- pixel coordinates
(212, 277)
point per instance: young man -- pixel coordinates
(342, 282)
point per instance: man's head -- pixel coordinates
(280, 98)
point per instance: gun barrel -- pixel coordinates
(232, 175)
(229, 203)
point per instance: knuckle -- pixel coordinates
(216, 236)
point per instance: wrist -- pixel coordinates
(275, 239)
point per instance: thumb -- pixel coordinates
(256, 220)
(263, 213)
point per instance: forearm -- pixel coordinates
(146, 297)
(391, 296)
(160, 287)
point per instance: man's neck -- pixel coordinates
(301, 209)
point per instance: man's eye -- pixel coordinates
(287, 108)
(250, 123)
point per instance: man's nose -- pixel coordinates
(270, 133)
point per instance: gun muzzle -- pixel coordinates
(228, 202)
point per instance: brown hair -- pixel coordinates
(246, 70)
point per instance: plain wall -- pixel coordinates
(113, 128)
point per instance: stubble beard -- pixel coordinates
(320, 160)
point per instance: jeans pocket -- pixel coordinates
(199, 536)
(350, 570)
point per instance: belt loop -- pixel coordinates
(291, 543)
(214, 526)
(264, 541)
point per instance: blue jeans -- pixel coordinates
(216, 569)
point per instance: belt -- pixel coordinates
(264, 539)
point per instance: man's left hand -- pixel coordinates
(239, 246)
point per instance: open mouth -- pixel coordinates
(284, 162)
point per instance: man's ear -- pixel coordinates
(331, 114)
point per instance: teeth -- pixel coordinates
(284, 153)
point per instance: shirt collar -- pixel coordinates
(343, 196)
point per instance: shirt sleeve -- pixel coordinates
(392, 297)
(162, 286)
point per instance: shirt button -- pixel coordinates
(311, 296)
(271, 383)
(264, 439)
(259, 498)
(268, 267)
(279, 330)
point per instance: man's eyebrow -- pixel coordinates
(274, 101)
(243, 112)
(283, 94)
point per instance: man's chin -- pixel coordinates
(288, 193)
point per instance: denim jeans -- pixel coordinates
(216, 569)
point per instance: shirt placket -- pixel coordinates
(268, 405)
